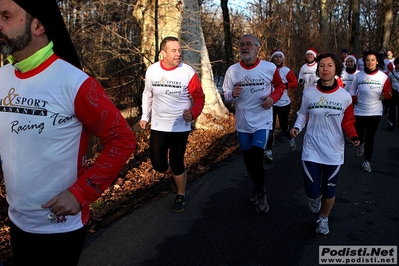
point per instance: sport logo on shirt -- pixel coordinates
(248, 82)
(13, 103)
(163, 82)
(324, 103)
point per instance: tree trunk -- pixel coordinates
(183, 20)
(228, 46)
(387, 25)
(324, 27)
(144, 11)
(355, 28)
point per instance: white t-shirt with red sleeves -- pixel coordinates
(308, 74)
(167, 94)
(323, 112)
(256, 83)
(368, 88)
(285, 99)
(46, 116)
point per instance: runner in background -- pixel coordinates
(282, 108)
(349, 72)
(307, 73)
(394, 102)
(172, 98)
(248, 84)
(368, 89)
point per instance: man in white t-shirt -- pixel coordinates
(172, 98)
(248, 84)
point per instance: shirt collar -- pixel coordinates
(34, 60)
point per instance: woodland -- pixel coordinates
(117, 40)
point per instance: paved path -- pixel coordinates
(219, 228)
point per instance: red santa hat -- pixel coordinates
(276, 51)
(353, 57)
(311, 51)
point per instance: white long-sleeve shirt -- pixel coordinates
(326, 115)
(46, 116)
(256, 82)
(288, 77)
(368, 91)
(167, 93)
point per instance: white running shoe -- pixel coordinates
(322, 226)
(366, 167)
(292, 144)
(263, 206)
(269, 155)
(315, 205)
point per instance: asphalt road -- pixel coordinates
(219, 228)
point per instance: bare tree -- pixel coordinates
(228, 46)
(324, 25)
(387, 25)
(355, 26)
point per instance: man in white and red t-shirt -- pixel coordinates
(48, 109)
(172, 98)
(249, 85)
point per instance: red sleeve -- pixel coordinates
(100, 117)
(387, 90)
(292, 80)
(348, 122)
(340, 83)
(195, 90)
(278, 85)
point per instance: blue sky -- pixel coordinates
(236, 4)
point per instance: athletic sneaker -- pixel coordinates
(315, 205)
(360, 150)
(292, 144)
(366, 167)
(269, 155)
(263, 206)
(322, 226)
(253, 200)
(180, 204)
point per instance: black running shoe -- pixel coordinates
(253, 199)
(180, 204)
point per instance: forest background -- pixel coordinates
(118, 39)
